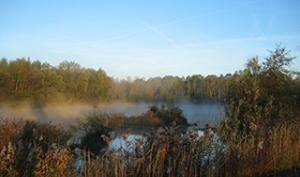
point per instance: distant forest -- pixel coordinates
(25, 80)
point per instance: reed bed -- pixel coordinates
(165, 153)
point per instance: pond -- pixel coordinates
(66, 114)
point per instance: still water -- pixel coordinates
(195, 113)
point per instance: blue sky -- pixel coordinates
(153, 38)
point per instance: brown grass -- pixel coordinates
(169, 154)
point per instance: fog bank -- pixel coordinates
(67, 114)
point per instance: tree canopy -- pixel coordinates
(23, 79)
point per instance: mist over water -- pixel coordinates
(67, 114)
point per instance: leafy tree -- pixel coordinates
(259, 97)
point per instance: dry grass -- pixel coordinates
(277, 151)
(168, 154)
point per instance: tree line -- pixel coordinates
(22, 79)
(40, 82)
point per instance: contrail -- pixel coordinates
(160, 33)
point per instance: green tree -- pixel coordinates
(259, 97)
